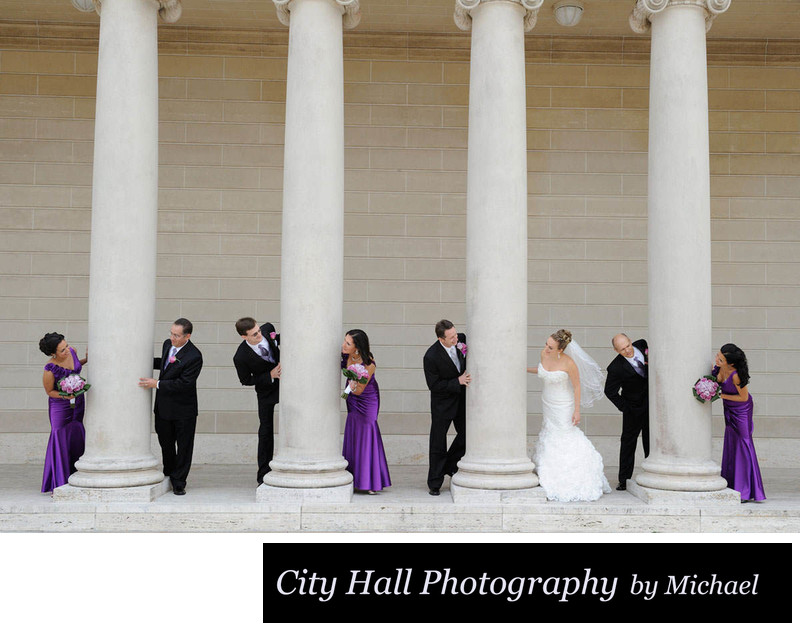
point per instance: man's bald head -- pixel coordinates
(622, 344)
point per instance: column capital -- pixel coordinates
(464, 8)
(351, 11)
(169, 10)
(644, 10)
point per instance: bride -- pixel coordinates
(570, 468)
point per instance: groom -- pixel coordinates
(445, 365)
(257, 362)
(626, 388)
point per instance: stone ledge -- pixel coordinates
(468, 496)
(223, 499)
(326, 495)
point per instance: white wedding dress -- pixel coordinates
(569, 467)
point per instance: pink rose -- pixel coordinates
(462, 347)
(272, 335)
(72, 384)
(172, 359)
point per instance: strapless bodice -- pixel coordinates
(557, 385)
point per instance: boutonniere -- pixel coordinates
(174, 359)
(273, 335)
(462, 347)
(646, 357)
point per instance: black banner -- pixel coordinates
(530, 582)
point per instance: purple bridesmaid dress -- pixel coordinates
(363, 447)
(67, 436)
(739, 461)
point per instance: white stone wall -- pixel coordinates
(221, 135)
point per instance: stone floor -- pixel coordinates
(222, 498)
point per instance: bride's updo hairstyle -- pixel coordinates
(562, 337)
(49, 343)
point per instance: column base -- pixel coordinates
(689, 498)
(466, 495)
(113, 476)
(495, 476)
(131, 494)
(292, 481)
(676, 475)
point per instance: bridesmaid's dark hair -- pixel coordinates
(49, 343)
(361, 342)
(735, 357)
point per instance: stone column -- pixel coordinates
(679, 247)
(118, 462)
(309, 464)
(496, 457)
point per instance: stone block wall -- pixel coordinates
(221, 134)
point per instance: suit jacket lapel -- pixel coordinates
(627, 365)
(178, 355)
(273, 348)
(632, 369)
(644, 354)
(446, 357)
(251, 349)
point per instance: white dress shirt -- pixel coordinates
(257, 348)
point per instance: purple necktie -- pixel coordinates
(266, 354)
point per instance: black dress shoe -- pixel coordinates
(434, 492)
(179, 491)
(622, 487)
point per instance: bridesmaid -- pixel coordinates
(67, 436)
(363, 447)
(739, 461)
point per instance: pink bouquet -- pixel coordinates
(707, 389)
(357, 373)
(72, 385)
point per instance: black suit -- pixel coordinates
(627, 390)
(254, 370)
(176, 409)
(448, 403)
